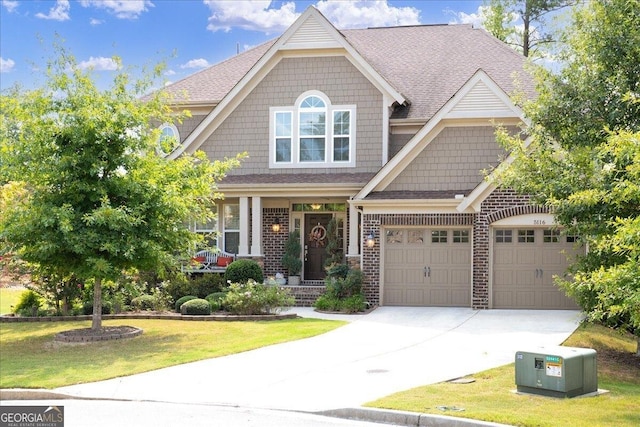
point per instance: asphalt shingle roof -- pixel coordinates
(428, 64)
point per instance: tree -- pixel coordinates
(582, 156)
(521, 22)
(85, 192)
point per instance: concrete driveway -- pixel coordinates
(388, 350)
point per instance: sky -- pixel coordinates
(187, 35)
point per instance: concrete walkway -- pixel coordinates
(386, 351)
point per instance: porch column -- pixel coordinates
(243, 247)
(256, 226)
(354, 232)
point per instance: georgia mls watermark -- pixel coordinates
(31, 416)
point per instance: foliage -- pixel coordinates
(59, 290)
(243, 270)
(84, 190)
(28, 304)
(334, 243)
(144, 303)
(197, 306)
(522, 23)
(216, 300)
(182, 300)
(582, 157)
(292, 249)
(105, 308)
(256, 298)
(343, 291)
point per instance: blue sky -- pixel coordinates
(187, 34)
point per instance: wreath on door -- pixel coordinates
(317, 236)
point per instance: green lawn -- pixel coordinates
(31, 359)
(491, 397)
(9, 297)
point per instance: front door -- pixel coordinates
(315, 242)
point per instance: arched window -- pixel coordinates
(312, 133)
(169, 139)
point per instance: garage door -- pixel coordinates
(524, 263)
(427, 267)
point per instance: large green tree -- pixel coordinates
(582, 156)
(522, 23)
(85, 190)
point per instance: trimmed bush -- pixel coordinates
(196, 306)
(144, 303)
(183, 300)
(243, 270)
(216, 300)
(207, 284)
(87, 307)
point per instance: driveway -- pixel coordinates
(388, 350)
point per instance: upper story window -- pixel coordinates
(312, 133)
(169, 139)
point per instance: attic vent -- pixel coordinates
(311, 32)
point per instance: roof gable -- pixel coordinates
(463, 105)
(310, 32)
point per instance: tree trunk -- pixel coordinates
(638, 347)
(96, 323)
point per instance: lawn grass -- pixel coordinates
(29, 357)
(491, 397)
(9, 298)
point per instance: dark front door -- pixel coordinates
(315, 242)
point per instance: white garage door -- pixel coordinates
(427, 267)
(525, 262)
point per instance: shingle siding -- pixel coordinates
(454, 160)
(247, 128)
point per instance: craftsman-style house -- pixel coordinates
(388, 130)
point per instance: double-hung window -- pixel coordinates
(312, 133)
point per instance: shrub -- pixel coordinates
(182, 300)
(257, 298)
(87, 307)
(216, 299)
(353, 304)
(143, 302)
(326, 302)
(343, 290)
(28, 304)
(196, 306)
(205, 284)
(243, 270)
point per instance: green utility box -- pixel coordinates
(557, 371)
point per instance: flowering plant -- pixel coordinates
(257, 298)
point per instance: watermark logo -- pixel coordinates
(31, 416)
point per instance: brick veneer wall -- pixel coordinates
(500, 204)
(273, 243)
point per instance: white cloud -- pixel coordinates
(259, 16)
(169, 73)
(10, 5)
(6, 65)
(476, 19)
(362, 14)
(94, 22)
(122, 9)
(254, 16)
(196, 63)
(59, 12)
(99, 64)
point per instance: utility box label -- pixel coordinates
(554, 370)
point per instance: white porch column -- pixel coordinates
(243, 247)
(354, 232)
(256, 226)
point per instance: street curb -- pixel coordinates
(32, 394)
(404, 418)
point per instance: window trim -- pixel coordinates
(329, 136)
(176, 133)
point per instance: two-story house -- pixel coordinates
(389, 130)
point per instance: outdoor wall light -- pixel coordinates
(275, 227)
(371, 240)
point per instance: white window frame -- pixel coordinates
(329, 135)
(227, 229)
(176, 134)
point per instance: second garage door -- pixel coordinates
(525, 262)
(427, 267)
